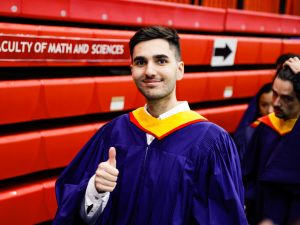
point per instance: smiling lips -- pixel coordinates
(151, 82)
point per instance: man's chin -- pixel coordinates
(280, 115)
(153, 96)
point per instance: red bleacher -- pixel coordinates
(34, 203)
(29, 100)
(138, 13)
(260, 22)
(290, 46)
(196, 49)
(42, 149)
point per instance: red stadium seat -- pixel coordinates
(62, 144)
(266, 78)
(197, 49)
(227, 117)
(199, 87)
(50, 200)
(26, 153)
(193, 87)
(11, 8)
(291, 46)
(34, 203)
(68, 97)
(260, 22)
(291, 25)
(139, 13)
(220, 86)
(117, 93)
(21, 154)
(45, 9)
(19, 100)
(247, 83)
(258, 50)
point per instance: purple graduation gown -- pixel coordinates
(245, 130)
(242, 139)
(191, 176)
(249, 115)
(271, 173)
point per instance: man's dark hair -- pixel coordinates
(285, 73)
(157, 32)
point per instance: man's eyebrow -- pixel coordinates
(138, 58)
(284, 95)
(161, 56)
(288, 96)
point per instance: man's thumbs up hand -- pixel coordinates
(107, 173)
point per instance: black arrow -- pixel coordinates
(225, 52)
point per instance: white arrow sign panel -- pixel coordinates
(224, 52)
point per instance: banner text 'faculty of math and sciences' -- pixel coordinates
(39, 49)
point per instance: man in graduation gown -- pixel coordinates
(161, 164)
(272, 163)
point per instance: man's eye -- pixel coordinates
(288, 99)
(161, 61)
(139, 63)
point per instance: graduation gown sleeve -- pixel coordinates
(71, 184)
(219, 189)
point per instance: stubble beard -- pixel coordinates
(156, 93)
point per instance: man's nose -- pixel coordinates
(150, 69)
(276, 101)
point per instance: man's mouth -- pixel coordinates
(151, 81)
(277, 110)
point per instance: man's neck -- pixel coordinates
(156, 108)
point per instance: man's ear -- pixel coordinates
(180, 70)
(131, 68)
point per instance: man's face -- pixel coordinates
(286, 105)
(155, 69)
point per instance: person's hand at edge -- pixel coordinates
(294, 64)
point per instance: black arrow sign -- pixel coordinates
(225, 52)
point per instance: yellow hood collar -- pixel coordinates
(161, 128)
(279, 125)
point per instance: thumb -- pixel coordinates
(112, 157)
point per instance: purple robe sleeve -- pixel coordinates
(249, 115)
(219, 194)
(71, 184)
